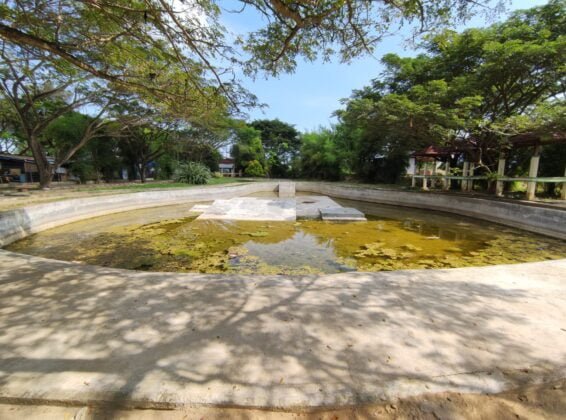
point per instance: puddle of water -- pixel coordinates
(170, 239)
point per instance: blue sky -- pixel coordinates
(308, 97)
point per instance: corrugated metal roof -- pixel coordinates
(20, 158)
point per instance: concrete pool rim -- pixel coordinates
(19, 223)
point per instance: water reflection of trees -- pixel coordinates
(447, 233)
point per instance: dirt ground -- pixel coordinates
(545, 401)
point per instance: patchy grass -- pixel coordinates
(157, 185)
(10, 202)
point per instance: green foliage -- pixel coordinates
(84, 170)
(281, 142)
(248, 146)
(11, 138)
(192, 173)
(201, 152)
(176, 51)
(320, 29)
(64, 132)
(96, 160)
(141, 145)
(480, 86)
(543, 119)
(159, 45)
(320, 156)
(254, 169)
(166, 166)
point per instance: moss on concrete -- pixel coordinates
(307, 247)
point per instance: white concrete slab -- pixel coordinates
(251, 208)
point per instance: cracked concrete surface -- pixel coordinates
(73, 333)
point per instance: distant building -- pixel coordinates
(227, 167)
(17, 168)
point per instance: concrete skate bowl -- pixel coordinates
(81, 334)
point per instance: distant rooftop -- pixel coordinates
(21, 158)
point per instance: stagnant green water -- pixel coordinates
(170, 239)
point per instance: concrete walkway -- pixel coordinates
(79, 334)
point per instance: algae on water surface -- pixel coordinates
(172, 240)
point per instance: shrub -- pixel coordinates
(217, 175)
(192, 173)
(84, 171)
(255, 169)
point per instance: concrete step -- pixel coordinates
(342, 214)
(308, 207)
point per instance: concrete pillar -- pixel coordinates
(413, 164)
(446, 180)
(425, 186)
(470, 184)
(464, 183)
(500, 173)
(533, 172)
(286, 189)
(563, 192)
(433, 178)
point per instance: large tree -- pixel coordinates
(142, 145)
(176, 56)
(281, 142)
(173, 54)
(177, 51)
(347, 28)
(95, 160)
(477, 85)
(247, 149)
(39, 94)
(320, 156)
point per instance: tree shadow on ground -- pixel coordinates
(69, 330)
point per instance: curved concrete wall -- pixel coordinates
(531, 217)
(19, 223)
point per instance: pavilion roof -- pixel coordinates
(535, 139)
(434, 151)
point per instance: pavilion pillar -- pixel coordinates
(470, 184)
(425, 186)
(446, 180)
(464, 183)
(533, 172)
(413, 164)
(500, 173)
(563, 192)
(433, 173)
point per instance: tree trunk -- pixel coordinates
(142, 172)
(43, 166)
